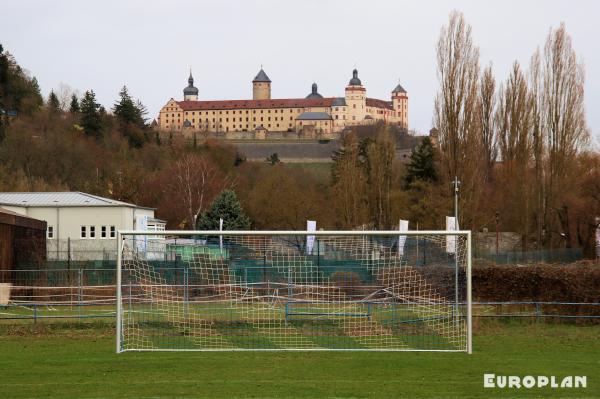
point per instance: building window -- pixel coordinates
(83, 232)
(113, 232)
(50, 232)
(92, 231)
(103, 232)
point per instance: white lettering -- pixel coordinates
(501, 381)
(553, 383)
(514, 381)
(567, 382)
(528, 381)
(488, 380)
(580, 381)
(542, 381)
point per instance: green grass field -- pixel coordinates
(58, 360)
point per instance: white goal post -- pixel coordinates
(294, 290)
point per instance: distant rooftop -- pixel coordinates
(312, 116)
(59, 199)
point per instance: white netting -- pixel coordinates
(269, 292)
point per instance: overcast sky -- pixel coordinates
(150, 45)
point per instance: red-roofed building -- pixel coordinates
(280, 115)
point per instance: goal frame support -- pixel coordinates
(221, 233)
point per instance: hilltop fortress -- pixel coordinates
(312, 116)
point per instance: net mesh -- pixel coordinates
(294, 292)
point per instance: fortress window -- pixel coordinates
(261, 118)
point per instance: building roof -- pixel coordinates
(190, 89)
(374, 102)
(314, 93)
(339, 102)
(59, 199)
(247, 104)
(355, 81)
(313, 116)
(16, 219)
(399, 89)
(261, 76)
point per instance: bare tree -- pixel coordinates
(455, 114)
(513, 118)
(563, 131)
(487, 108)
(194, 182)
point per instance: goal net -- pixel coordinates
(294, 290)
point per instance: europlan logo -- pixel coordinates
(531, 381)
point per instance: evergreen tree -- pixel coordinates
(53, 102)
(36, 94)
(91, 117)
(422, 164)
(273, 159)
(74, 108)
(228, 207)
(130, 115)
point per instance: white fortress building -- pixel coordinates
(314, 115)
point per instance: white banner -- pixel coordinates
(451, 225)
(141, 223)
(402, 226)
(311, 225)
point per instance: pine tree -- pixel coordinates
(36, 93)
(74, 108)
(273, 159)
(91, 118)
(422, 164)
(131, 118)
(53, 102)
(227, 207)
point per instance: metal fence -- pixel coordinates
(87, 291)
(561, 255)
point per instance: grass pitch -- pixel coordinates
(56, 360)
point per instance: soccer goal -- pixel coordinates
(294, 290)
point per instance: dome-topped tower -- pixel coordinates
(355, 81)
(314, 92)
(356, 100)
(190, 93)
(261, 86)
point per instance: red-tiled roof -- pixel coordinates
(273, 103)
(243, 104)
(373, 102)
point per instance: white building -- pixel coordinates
(81, 226)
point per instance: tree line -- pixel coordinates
(520, 148)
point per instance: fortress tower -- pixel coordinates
(356, 97)
(261, 86)
(400, 105)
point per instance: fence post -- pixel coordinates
(538, 311)
(35, 313)
(79, 291)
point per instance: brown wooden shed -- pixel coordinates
(22, 240)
